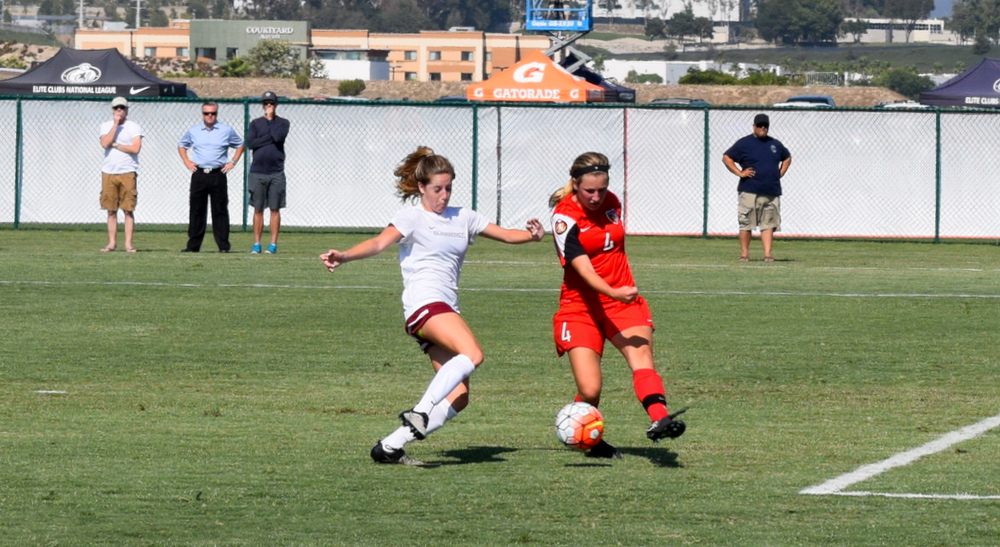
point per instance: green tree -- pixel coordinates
(981, 46)
(635, 78)
(905, 82)
(197, 9)
(237, 67)
(707, 77)
(273, 59)
(403, 16)
(599, 63)
(315, 68)
(655, 28)
(158, 19)
(959, 67)
(910, 11)
(7, 18)
(47, 7)
(12, 62)
(856, 28)
(350, 88)
(221, 9)
(797, 21)
(682, 24)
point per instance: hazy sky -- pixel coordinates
(942, 8)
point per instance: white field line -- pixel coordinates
(498, 289)
(837, 485)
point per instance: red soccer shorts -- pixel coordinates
(586, 329)
(419, 318)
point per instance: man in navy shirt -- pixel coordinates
(209, 144)
(762, 160)
(266, 138)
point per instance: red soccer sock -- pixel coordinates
(649, 389)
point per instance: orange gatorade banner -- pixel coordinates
(535, 79)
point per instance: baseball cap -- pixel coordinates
(762, 119)
(268, 97)
(119, 101)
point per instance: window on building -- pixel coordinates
(433, 55)
(149, 52)
(232, 53)
(206, 52)
(435, 76)
(353, 55)
(467, 56)
(466, 76)
(489, 56)
(182, 52)
(411, 76)
(409, 55)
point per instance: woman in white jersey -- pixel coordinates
(433, 239)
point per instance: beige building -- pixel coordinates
(170, 42)
(447, 56)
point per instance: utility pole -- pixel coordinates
(138, 10)
(80, 18)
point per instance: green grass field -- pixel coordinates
(231, 400)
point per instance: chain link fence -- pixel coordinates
(854, 172)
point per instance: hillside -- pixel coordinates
(235, 88)
(428, 91)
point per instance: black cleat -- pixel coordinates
(604, 450)
(666, 428)
(416, 421)
(381, 455)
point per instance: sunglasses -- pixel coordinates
(764, 125)
(209, 113)
(120, 107)
(272, 103)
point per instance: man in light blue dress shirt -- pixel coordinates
(208, 144)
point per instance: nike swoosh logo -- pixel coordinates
(585, 229)
(133, 91)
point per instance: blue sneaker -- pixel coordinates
(256, 249)
(271, 249)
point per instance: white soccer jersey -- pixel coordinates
(117, 162)
(432, 251)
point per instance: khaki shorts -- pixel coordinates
(759, 210)
(118, 192)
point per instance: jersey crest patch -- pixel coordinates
(774, 149)
(560, 226)
(612, 216)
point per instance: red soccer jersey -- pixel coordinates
(601, 236)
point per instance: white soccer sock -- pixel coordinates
(398, 439)
(452, 373)
(439, 415)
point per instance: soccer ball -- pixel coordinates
(579, 426)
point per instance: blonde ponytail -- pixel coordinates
(588, 162)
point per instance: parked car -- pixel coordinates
(902, 105)
(341, 98)
(808, 101)
(680, 101)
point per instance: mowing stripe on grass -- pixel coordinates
(497, 289)
(865, 472)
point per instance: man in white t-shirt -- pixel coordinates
(121, 139)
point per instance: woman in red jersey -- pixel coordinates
(599, 300)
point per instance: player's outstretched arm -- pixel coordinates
(370, 247)
(532, 232)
